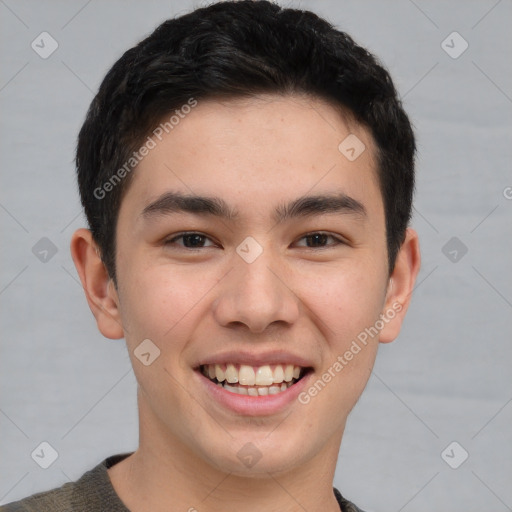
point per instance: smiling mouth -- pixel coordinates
(254, 380)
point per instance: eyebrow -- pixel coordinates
(306, 206)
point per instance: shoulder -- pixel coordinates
(345, 505)
(58, 499)
(92, 492)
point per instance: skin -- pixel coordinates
(255, 154)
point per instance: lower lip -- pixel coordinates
(254, 405)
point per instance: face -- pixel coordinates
(265, 282)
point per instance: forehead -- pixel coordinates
(258, 152)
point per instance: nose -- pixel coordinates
(256, 295)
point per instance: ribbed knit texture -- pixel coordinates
(93, 492)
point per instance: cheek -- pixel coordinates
(345, 301)
(345, 306)
(159, 303)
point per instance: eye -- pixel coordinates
(190, 240)
(194, 240)
(319, 240)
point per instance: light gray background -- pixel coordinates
(449, 375)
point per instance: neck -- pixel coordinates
(164, 472)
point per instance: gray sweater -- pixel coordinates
(93, 492)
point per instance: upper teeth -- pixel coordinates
(252, 375)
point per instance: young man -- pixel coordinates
(247, 172)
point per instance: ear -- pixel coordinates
(99, 288)
(400, 286)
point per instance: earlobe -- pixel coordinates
(400, 287)
(99, 290)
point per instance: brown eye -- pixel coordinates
(320, 240)
(189, 240)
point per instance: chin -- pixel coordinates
(256, 456)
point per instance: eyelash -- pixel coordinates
(338, 241)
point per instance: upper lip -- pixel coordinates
(256, 358)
